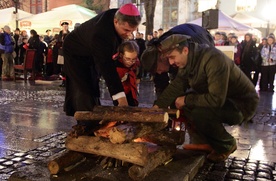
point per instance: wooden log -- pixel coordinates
(135, 153)
(127, 132)
(173, 112)
(163, 137)
(66, 161)
(155, 159)
(157, 117)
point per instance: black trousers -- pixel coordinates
(82, 84)
(267, 78)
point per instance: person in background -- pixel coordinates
(62, 34)
(16, 49)
(262, 44)
(131, 37)
(22, 35)
(224, 38)
(149, 38)
(88, 52)
(268, 68)
(48, 37)
(218, 39)
(35, 43)
(142, 46)
(56, 66)
(44, 47)
(237, 49)
(7, 45)
(22, 50)
(127, 65)
(160, 32)
(155, 35)
(229, 36)
(250, 63)
(211, 91)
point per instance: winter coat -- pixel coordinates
(268, 52)
(128, 78)
(212, 78)
(88, 52)
(6, 43)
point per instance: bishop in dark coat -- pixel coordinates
(88, 52)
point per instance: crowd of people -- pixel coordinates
(48, 57)
(256, 60)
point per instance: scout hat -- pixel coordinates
(64, 23)
(173, 41)
(130, 10)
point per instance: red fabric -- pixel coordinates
(50, 56)
(26, 46)
(130, 83)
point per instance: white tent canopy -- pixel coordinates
(8, 17)
(52, 19)
(226, 23)
(249, 20)
(229, 25)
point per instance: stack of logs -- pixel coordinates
(131, 134)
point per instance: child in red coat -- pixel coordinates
(127, 64)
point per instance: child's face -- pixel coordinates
(129, 58)
(25, 41)
(233, 40)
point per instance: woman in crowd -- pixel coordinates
(249, 58)
(268, 68)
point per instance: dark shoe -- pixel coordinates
(220, 157)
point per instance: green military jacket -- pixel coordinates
(208, 80)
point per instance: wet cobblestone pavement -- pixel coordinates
(33, 128)
(237, 169)
(52, 144)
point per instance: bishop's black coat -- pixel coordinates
(88, 54)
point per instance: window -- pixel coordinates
(36, 6)
(170, 13)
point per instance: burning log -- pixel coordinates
(104, 131)
(65, 162)
(156, 158)
(130, 152)
(127, 132)
(163, 137)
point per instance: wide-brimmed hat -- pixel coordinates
(64, 23)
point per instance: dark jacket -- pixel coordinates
(214, 78)
(88, 52)
(60, 40)
(34, 42)
(249, 55)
